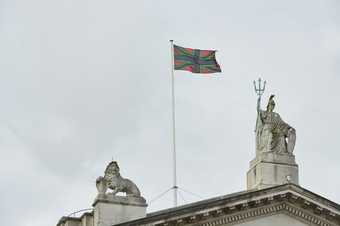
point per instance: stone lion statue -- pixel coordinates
(114, 181)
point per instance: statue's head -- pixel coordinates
(271, 103)
(112, 169)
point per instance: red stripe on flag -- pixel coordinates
(189, 68)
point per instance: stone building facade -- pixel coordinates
(282, 205)
(273, 195)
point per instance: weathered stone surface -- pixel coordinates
(272, 133)
(271, 169)
(273, 157)
(111, 209)
(87, 220)
(277, 220)
(122, 200)
(114, 181)
(283, 205)
(274, 163)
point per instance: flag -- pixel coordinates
(195, 60)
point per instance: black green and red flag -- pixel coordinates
(195, 60)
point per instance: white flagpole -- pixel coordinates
(175, 187)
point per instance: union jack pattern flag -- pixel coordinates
(195, 60)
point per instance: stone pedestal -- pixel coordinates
(270, 169)
(110, 210)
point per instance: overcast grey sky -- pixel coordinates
(82, 81)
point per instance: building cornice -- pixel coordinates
(288, 199)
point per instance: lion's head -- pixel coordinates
(111, 170)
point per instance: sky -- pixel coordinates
(83, 82)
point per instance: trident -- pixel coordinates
(259, 90)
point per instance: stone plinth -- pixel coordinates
(270, 169)
(110, 210)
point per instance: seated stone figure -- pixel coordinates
(114, 181)
(272, 133)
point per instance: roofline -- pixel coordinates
(220, 200)
(67, 218)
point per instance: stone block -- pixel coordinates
(110, 210)
(271, 169)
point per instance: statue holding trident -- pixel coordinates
(272, 133)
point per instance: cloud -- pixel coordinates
(82, 82)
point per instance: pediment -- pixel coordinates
(280, 214)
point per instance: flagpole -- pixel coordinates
(175, 187)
